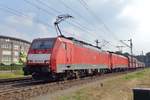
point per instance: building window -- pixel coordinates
(16, 47)
(7, 40)
(6, 52)
(6, 59)
(15, 59)
(16, 53)
(6, 46)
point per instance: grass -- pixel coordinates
(79, 95)
(114, 88)
(134, 75)
(9, 67)
(13, 74)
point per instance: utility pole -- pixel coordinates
(131, 48)
(97, 42)
(59, 19)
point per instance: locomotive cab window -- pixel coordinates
(43, 44)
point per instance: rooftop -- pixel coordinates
(14, 38)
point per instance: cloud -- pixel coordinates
(43, 31)
(20, 21)
(138, 11)
(24, 27)
(125, 18)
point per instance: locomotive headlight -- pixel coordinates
(30, 61)
(46, 61)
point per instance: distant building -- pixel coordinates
(10, 49)
(141, 58)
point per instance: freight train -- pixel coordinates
(66, 57)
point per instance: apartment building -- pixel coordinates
(10, 49)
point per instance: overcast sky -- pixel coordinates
(105, 20)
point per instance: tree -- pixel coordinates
(126, 54)
(118, 52)
(148, 54)
(22, 57)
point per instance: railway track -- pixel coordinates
(27, 89)
(18, 86)
(10, 80)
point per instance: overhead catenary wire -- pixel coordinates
(95, 17)
(84, 18)
(45, 10)
(51, 8)
(50, 12)
(71, 9)
(6, 9)
(74, 11)
(77, 26)
(37, 6)
(20, 14)
(46, 5)
(85, 5)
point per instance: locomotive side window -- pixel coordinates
(43, 44)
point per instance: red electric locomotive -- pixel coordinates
(63, 57)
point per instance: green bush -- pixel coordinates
(1, 64)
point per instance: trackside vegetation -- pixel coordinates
(113, 88)
(13, 74)
(11, 67)
(136, 75)
(11, 71)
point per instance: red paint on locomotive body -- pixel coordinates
(71, 56)
(60, 54)
(119, 61)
